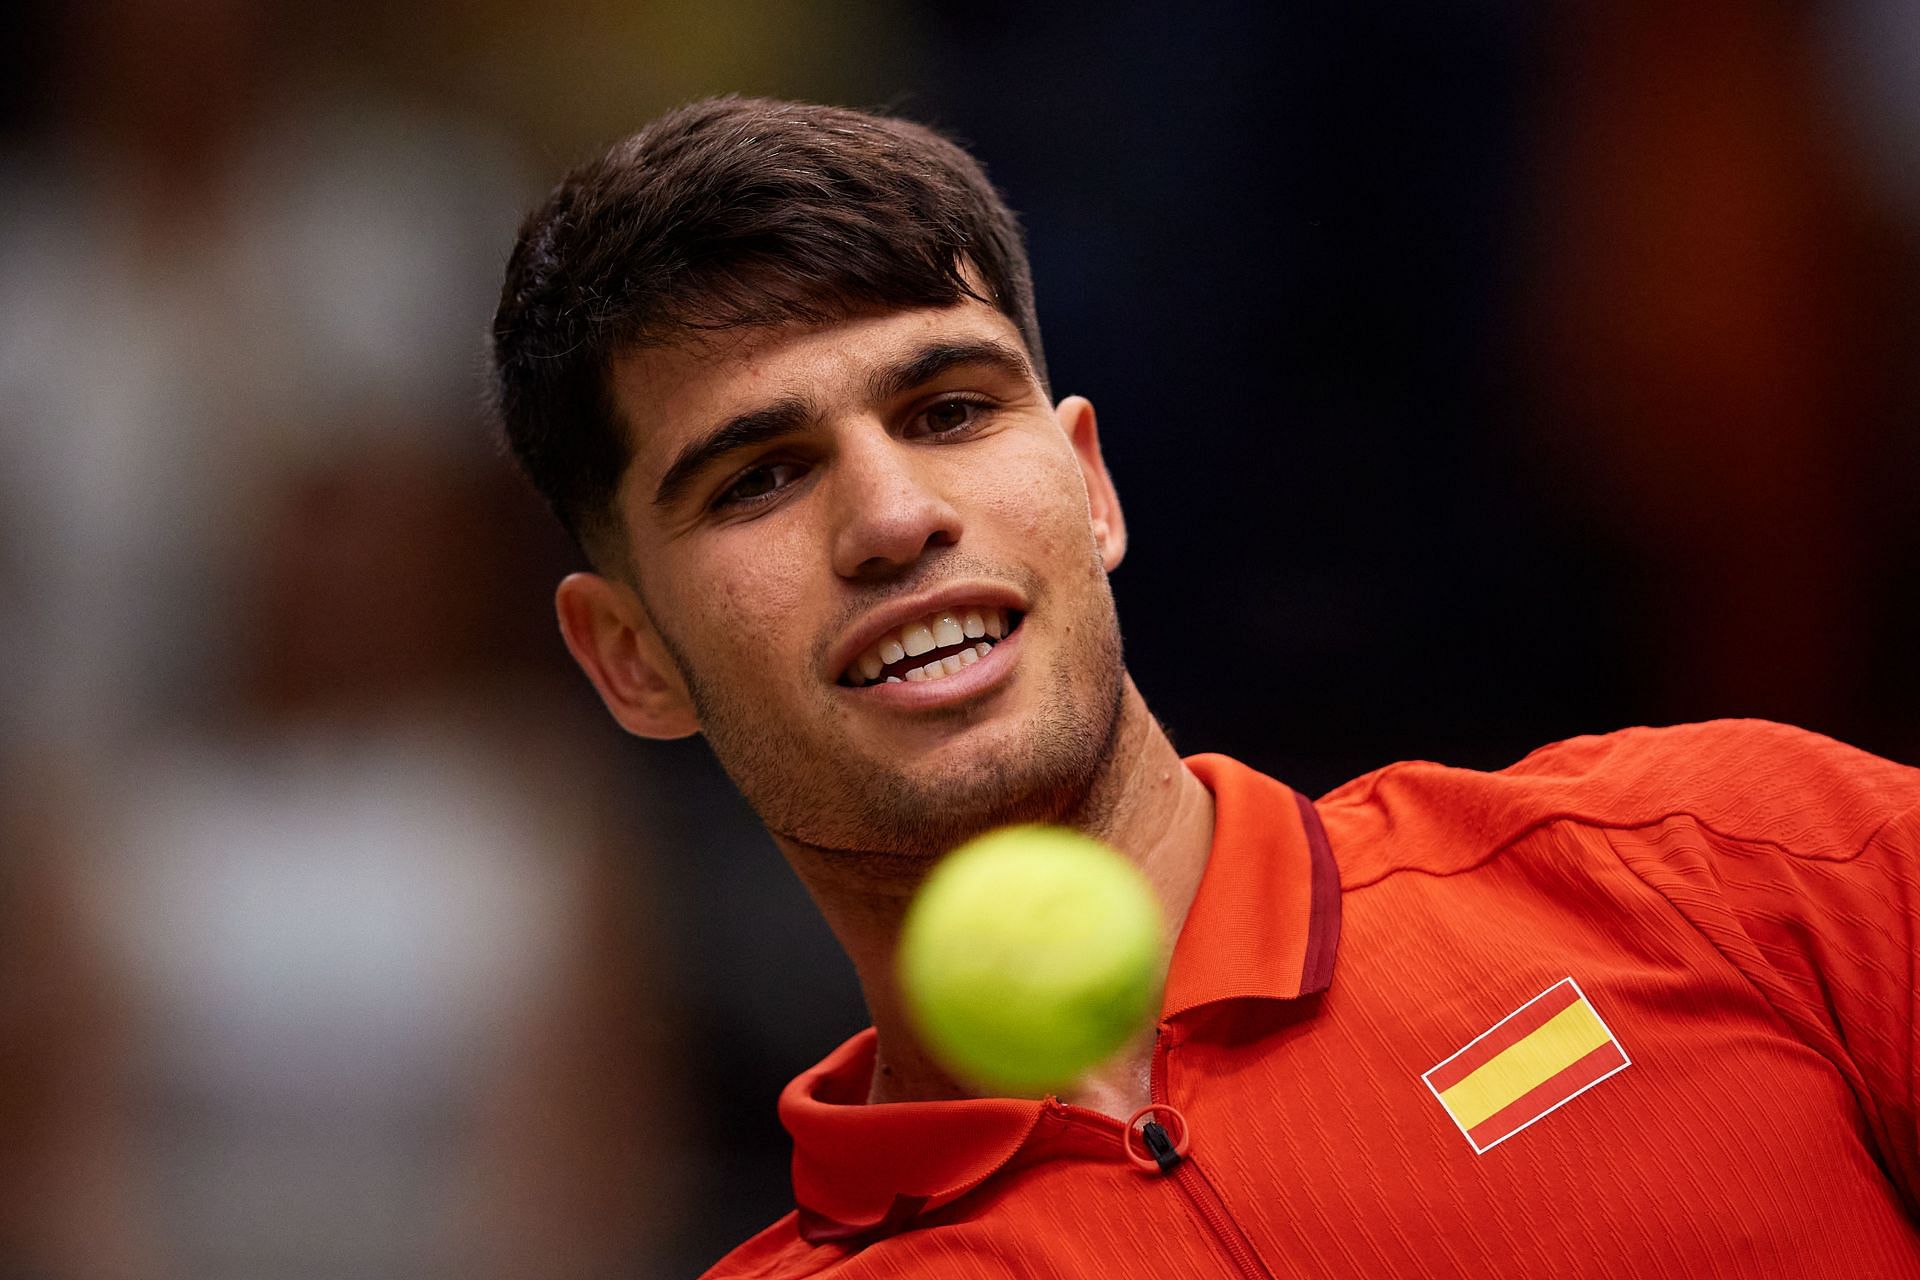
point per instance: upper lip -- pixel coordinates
(912, 608)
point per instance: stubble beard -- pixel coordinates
(832, 799)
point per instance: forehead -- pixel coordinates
(666, 395)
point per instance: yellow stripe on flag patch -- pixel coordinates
(1537, 1058)
(1571, 1035)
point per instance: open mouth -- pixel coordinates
(932, 648)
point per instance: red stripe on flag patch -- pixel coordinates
(1550, 1094)
(1506, 1033)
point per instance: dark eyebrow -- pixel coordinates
(781, 418)
(928, 363)
(791, 414)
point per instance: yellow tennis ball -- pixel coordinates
(1030, 955)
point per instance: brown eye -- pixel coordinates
(758, 483)
(752, 484)
(948, 415)
(948, 418)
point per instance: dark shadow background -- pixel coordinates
(1474, 375)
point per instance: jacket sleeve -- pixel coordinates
(1811, 886)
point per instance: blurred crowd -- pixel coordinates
(322, 922)
(1548, 372)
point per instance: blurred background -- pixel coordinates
(1476, 375)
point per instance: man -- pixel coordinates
(1639, 1005)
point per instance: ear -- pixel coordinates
(1103, 504)
(612, 637)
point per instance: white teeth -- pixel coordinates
(944, 630)
(941, 668)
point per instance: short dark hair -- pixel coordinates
(725, 213)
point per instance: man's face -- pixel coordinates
(808, 509)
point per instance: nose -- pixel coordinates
(889, 511)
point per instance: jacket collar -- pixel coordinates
(1264, 926)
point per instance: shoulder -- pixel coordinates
(1750, 779)
(781, 1252)
(777, 1253)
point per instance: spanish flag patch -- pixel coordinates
(1538, 1058)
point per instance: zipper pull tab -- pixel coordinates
(1164, 1149)
(1164, 1153)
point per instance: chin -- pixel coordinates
(1043, 773)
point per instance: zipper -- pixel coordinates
(1186, 1175)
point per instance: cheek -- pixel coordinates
(1041, 498)
(748, 603)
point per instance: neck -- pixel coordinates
(1143, 803)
